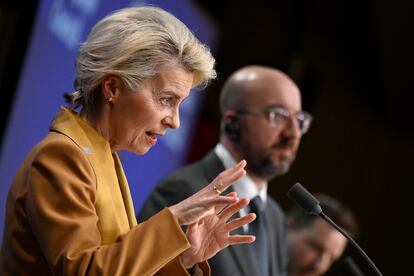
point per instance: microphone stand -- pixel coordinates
(327, 219)
(349, 267)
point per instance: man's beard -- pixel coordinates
(264, 166)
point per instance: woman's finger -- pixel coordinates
(228, 177)
(233, 208)
(236, 223)
(238, 239)
(233, 174)
(220, 202)
(221, 207)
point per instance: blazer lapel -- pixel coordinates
(126, 194)
(113, 202)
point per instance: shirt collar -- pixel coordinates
(245, 186)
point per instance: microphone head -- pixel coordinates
(304, 199)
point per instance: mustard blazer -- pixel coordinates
(69, 212)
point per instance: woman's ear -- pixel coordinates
(111, 88)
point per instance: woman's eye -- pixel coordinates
(167, 101)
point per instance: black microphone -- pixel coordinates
(304, 199)
(311, 205)
(349, 267)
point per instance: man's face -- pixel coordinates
(269, 149)
(313, 249)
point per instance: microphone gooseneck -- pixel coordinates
(349, 267)
(312, 206)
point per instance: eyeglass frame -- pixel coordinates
(273, 111)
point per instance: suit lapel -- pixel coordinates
(240, 253)
(212, 166)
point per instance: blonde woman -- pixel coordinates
(69, 209)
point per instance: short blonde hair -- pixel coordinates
(133, 44)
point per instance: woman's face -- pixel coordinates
(137, 118)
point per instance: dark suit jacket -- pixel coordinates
(234, 260)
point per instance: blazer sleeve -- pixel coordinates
(61, 191)
(171, 269)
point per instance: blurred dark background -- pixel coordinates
(353, 62)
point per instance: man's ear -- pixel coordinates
(229, 114)
(111, 88)
(232, 126)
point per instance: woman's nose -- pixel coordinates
(172, 120)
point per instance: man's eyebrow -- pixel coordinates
(270, 106)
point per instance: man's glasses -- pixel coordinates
(279, 116)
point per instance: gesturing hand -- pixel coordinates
(208, 200)
(212, 234)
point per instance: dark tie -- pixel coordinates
(259, 248)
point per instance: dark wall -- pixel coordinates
(353, 63)
(16, 20)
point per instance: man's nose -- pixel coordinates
(322, 264)
(291, 129)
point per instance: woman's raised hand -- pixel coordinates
(212, 233)
(208, 201)
(207, 214)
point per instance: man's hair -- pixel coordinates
(340, 214)
(133, 44)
